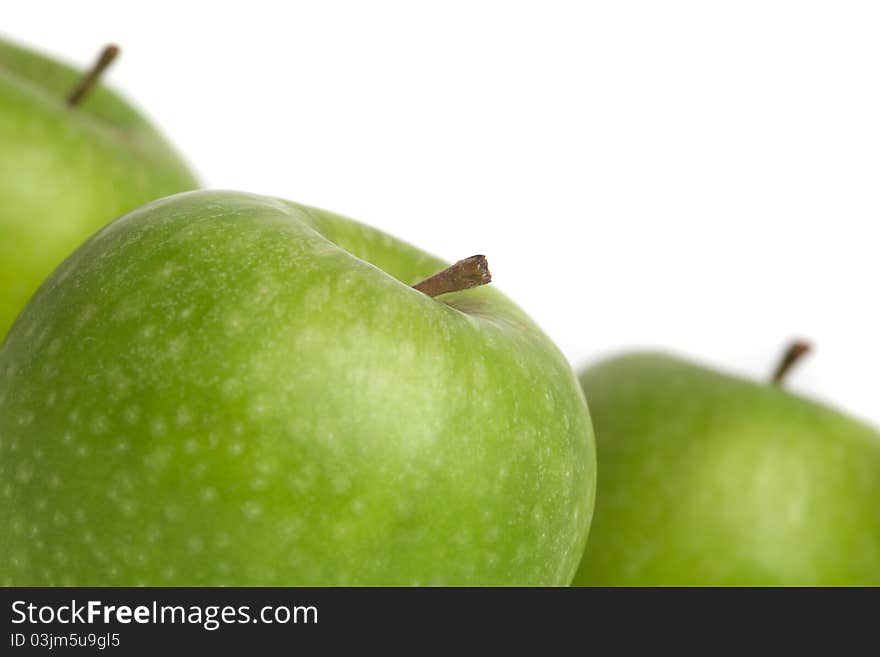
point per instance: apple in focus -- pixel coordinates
(227, 389)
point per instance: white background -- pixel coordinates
(698, 176)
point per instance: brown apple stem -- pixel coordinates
(795, 351)
(463, 275)
(88, 81)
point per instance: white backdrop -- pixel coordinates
(696, 176)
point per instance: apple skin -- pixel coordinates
(227, 389)
(708, 479)
(65, 172)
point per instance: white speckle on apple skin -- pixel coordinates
(128, 508)
(231, 389)
(158, 427)
(100, 425)
(132, 414)
(85, 316)
(23, 473)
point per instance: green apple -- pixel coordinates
(708, 479)
(221, 388)
(72, 158)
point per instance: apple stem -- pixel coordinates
(463, 275)
(91, 77)
(795, 351)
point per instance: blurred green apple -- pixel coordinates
(73, 156)
(221, 388)
(707, 479)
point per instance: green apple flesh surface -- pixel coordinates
(226, 389)
(66, 171)
(707, 479)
